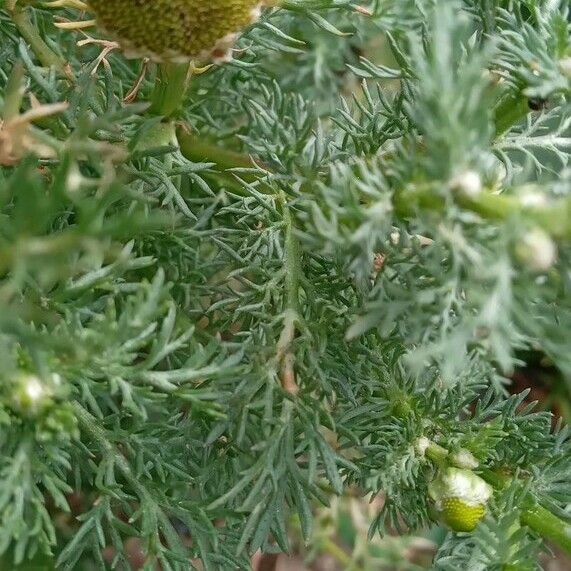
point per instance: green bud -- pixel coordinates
(31, 396)
(463, 459)
(537, 250)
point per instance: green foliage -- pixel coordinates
(223, 306)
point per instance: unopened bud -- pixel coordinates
(31, 395)
(565, 66)
(468, 183)
(421, 445)
(461, 497)
(537, 250)
(464, 459)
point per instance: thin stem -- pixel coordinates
(338, 554)
(495, 479)
(539, 519)
(436, 453)
(292, 259)
(198, 149)
(292, 266)
(13, 93)
(554, 218)
(29, 32)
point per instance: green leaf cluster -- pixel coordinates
(266, 289)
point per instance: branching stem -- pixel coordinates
(196, 149)
(91, 426)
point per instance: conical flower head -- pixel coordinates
(461, 516)
(461, 497)
(175, 30)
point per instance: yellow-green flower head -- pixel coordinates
(175, 30)
(461, 497)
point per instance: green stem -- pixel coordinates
(495, 479)
(292, 267)
(170, 88)
(554, 218)
(539, 519)
(13, 93)
(197, 149)
(548, 526)
(331, 548)
(29, 32)
(292, 258)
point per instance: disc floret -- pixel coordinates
(176, 30)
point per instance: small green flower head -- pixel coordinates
(461, 497)
(175, 30)
(460, 516)
(31, 395)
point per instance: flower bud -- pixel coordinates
(537, 250)
(175, 30)
(530, 197)
(421, 445)
(461, 496)
(464, 459)
(565, 66)
(31, 395)
(467, 183)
